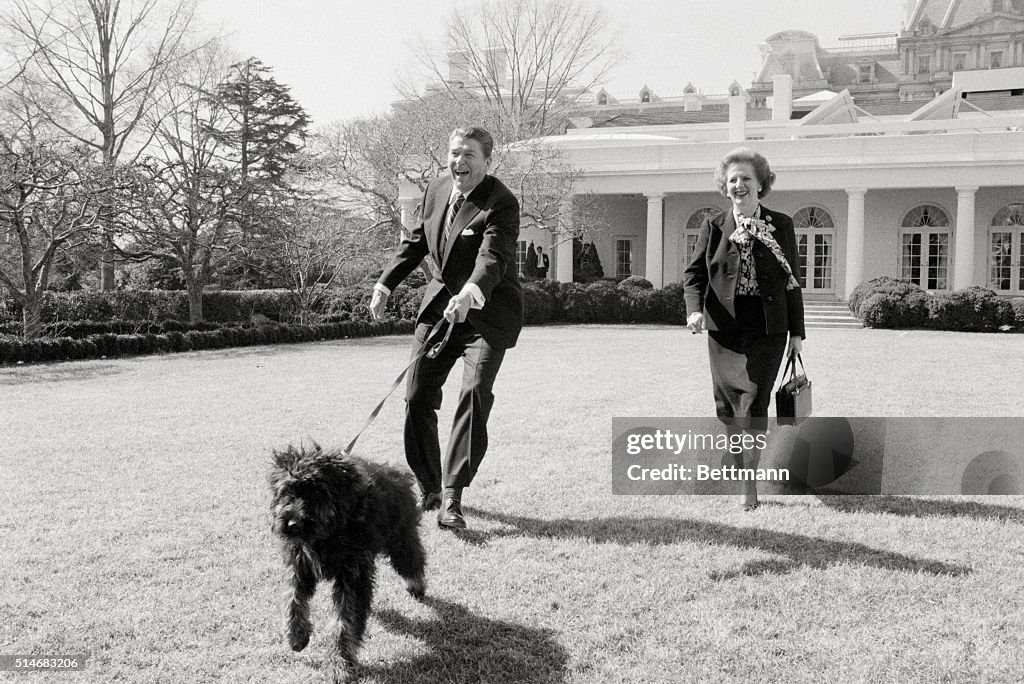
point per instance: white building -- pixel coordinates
(883, 181)
(936, 196)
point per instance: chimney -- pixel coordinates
(782, 97)
(691, 100)
(737, 113)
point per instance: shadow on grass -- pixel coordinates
(919, 508)
(463, 647)
(793, 550)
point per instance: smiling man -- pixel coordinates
(469, 228)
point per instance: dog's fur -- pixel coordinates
(334, 514)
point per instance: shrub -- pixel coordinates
(1017, 304)
(82, 305)
(106, 343)
(404, 302)
(971, 309)
(887, 310)
(236, 306)
(636, 283)
(539, 303)
(674, 307)
(883, 285)
(642, 306)
(597, 302)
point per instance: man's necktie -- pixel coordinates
(453, 210)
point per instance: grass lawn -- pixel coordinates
(135, 523)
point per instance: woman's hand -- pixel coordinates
(796, 343)
(695, 322)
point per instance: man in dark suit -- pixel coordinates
(469, 228)
(542, 263)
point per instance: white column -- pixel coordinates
(854, 239)
(963, 255)
(655, 239)
(563, 249)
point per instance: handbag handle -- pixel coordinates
(793, 358)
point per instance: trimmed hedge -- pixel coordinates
(974, 309)
(219, 306)
(80, 329)
(890, 303)
(15, 350)
(1018, 311)
(882, 285)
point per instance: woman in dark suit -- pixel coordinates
(741, 286)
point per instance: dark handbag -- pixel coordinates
(793, 398)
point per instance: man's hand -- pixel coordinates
(458, 307)
(378, 304)
(695, 322)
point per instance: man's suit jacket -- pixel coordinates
(709, 280)
(481, 250)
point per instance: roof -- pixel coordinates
(947, 14)
(675, 117)
(818, 97)
(987, 102)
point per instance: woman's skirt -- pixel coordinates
(744, 364)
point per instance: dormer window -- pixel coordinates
(602, 98)
(865, 73)
(997, 5)
(645, 95)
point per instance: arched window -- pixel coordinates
(924, 247)
(693, 227)
(645, 95)
(926, 216)
(1010, 215)
(812, 217)
(815, 240)
(1006, 247)
(602, 98)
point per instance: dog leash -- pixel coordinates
(426, 349)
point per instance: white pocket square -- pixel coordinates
(468, 232)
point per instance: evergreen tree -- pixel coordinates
(260, 135)
(265, 126)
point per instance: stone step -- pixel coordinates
(828, 311)
(829, 314)
(833, 325)
(826, 307)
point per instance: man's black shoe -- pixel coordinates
(450, 515)
(430, 501)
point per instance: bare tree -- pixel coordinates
(546, 185)
(110, 59)
(367, 158)
(184, 202)
(530, 58)
(49, 202)
(306, 246)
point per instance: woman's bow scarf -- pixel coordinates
(752, 228)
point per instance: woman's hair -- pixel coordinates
(475, 133)
(764, 173)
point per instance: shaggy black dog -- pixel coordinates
(334, 514)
